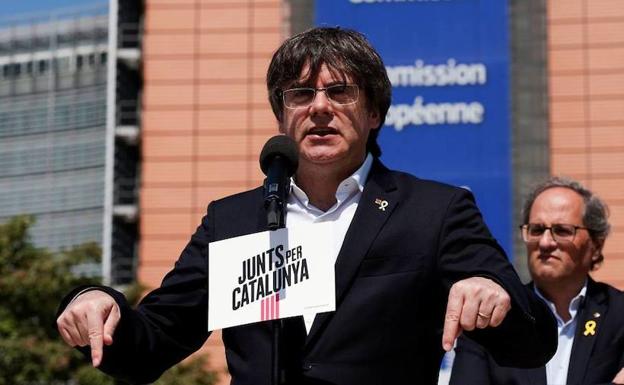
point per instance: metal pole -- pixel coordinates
(111, 108)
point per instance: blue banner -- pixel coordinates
(448, 61)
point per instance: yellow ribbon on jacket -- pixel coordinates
(590, 328)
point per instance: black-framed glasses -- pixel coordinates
(342, 94)
(561, 232)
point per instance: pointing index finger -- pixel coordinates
(95, 326)
(452, 328)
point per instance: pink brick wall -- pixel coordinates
(586, 81)
(205, 119)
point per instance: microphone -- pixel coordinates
(278, 160)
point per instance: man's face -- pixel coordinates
(564, 261)
(327, 133)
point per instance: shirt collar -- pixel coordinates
(361, 174)
(573, 307)
(352, 184)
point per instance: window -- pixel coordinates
(43, 66)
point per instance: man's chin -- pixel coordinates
(547, 275)
(321, 157)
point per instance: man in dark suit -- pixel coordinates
(415, 264)
(565, 227)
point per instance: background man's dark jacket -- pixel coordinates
(393, 274)
(595, 358)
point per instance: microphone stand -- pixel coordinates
(275, 220)
(278, 160)
(277, 372)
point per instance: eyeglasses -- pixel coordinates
(342, 94)
(532, 232)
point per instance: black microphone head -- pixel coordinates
(283, 146)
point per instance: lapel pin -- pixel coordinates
(382, 204)
(596, 315)
(590, 328)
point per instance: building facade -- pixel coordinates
(52, 123)
(69, 136)
(206, 114)
(586, 108)
(132, 163)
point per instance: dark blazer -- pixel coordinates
(595, 358)
(393, 275)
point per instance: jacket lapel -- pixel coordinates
(535, 376)
(378, 201)
(587, 330)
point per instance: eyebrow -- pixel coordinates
(299, 85)
(307, 85)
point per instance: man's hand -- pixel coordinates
(90, 319)
(619, 378)
(474, 302)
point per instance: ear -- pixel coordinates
(595, 256)
(598, 244)
(373, 120)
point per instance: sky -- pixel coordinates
(10, 8)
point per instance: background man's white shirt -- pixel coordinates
(557, 367)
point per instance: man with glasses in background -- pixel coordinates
(565, 228)
(415, 264)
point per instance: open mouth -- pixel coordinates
(322, 131)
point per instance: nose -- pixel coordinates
(546, 241)
(321, 103)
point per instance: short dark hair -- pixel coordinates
(346, 53)
(595, 215)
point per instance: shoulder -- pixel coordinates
(413, 184)
(614, 296)
(602, 287)
(234, 215)
(240, 200)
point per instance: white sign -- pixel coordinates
(270, 275)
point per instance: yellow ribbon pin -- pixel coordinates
(382, 204)
(590, 328)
